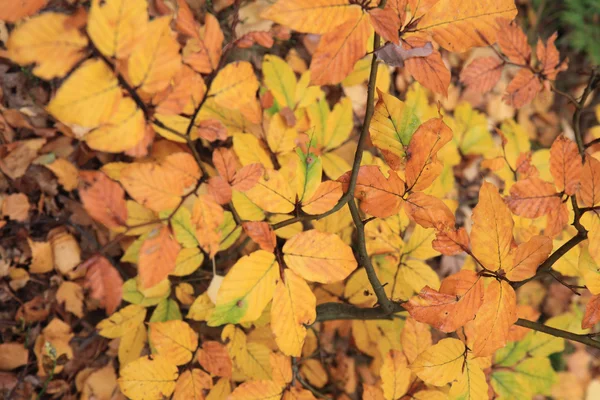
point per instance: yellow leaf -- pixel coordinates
(66, 172)
(201, 308)
(137, 214)
(88, 97)
(280, 79)
(441, 363)
(116, 26)
(282, 369)
(494, 318)
(132, 343)
(156, 59)
(470, 130)
(121, 322)
(48, 40)
(148, 378)
(71, 295)
(491, 235)
(207, 216)
(319, 257)
(280, 139)
(312, 16)
(394, 122)
(221, 390)
(471, 384)
(246, 289)
(250, 358)
(42, 260)
(122, 131)
(339, 50)
(293, 308)
(188, 261)
(314, 372)
(273, 193)
(588, 268)
(395, 375)
(472, 24)
(234, 86)
(416, 338)
(257, 390)
(191, 385)
(175, 340)
(249, 150)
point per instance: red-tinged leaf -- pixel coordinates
(549, 57)
(525, 169)
(103, 199)
(219, 189)
(482, 74)
(225, 162)
(380, 197)
(429, 71)
(214, 358)
(204, 53)
(339, 50)
(565, 165)
(523, 88)
(12, 12)
(592, 313)
(494, 319)
(247, 177)
(513, 42)
(451, 242)
(187, 90)
(264, 39)
(158, 256)
(395, 54)
(210, 129)
(456, 303)
(184, 19)
(262, 234)
(422, 166)
(104, 283)
(325, 198)
(386, 23)
(557, 220)
(429, 211)
(589, 189)
(532, 198)
(527, 257)
(207, 216)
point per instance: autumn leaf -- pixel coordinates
(158, 256)
(532, 198)
(589, 189)
(257, 390)
(203, 52)
(441, 363)
(527, 257)
(174, 340)
(482, 74)
(565, 165)
(123, 321)
(104, 282)
(103, 199)
(430, 71)
(513, 42)
(148, 378)
(492, 232)
(395, 375)
(262, 234)
(191, 385)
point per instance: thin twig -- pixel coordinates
(536, 326)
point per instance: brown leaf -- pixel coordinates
(592, 313)
(482, 74)
(12, 355)
(16, 207)
(386, 23)
(522, 89)
(214, 357)
(532, 198)
(565, 165)
(429, 71)
(589, 189)
(103, 199)
(549, 57)
(104, 283)
(262, 234)
(513, 42)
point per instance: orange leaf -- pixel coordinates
(257, 390)
(532, 198)
(415, 339)
(557, 220)
(325, 198)
(429, 71)
(380, 197)
(422, 166)
(386, 23)
(549, 57)
(339, 50)
(12, 11)
(219, 189)
(456, 303)
(523, 88)
(191, 385)
(451, 242)
(209, 129)
(565, 165)
(214, 358)
(204, 53)
(225, 162)
(528, 256)
(207, 215)
(184, 18)
(262, 234)
(492, 232)
(482, 74)
(103, 199)
(494, 319)
(104, 283)
(513, 42)
(516, 332)
(429, 211)
(592, 312)
(589, 189)
(247, 177)
(157, 257)
(183, 94)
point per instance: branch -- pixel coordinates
(536, 326)
(342, 311)
(592, 83)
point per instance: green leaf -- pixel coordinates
(508, 387)
(230, 231)
(166, 310)
(537, 373)
(512, 353)
(184, 231)
(132, 295)
(308, 174)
